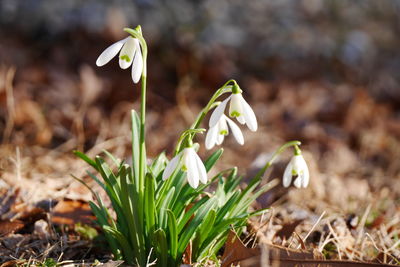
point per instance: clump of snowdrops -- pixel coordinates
(163, 208)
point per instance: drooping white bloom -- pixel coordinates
(238, 109)
(297, 167)
(189, 162)
(129, 54)
(216, 134)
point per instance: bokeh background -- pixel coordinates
(325, 72)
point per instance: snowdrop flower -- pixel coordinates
(189, 162)
(216, 134)
(297, 167)
(130, 54)
(238, 109)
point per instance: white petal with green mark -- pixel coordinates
(235, 107)
(127, 53)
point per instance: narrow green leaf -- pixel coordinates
(210, 161)
(97, 180)
(127, 209)
(123, 242)
(162, 210)
(228, 206)
(192, 227)
(161, 246)
(84, 157)
(220, 230)
(232, 181)
(149, 204)
(158, 164)
(204, 229)
(247, 198)
(135, 146)
(173, 234)
(107, 174)
(116, 161)
(190, 212)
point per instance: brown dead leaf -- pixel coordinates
(288, 229)
(8, 226)
(8, 200)
(12, 263)
(187, 255)
(71, 212)
(235, 250)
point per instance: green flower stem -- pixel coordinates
(297, 150)
(184, 135)
(137, 33)
(275, 155)
(226, 88)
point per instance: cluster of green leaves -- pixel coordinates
(160, 222)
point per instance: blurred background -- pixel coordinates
(323, 72)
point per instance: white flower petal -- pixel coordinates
(192, 171)
(241, 119)
(110, 52)
(249, 116)
(223, 126)
(201, 169)
(137, 66)
(127, 53)
(302, 171)
(211, 137)
(220, 139)
(287, 175)
(298, 181)
(306, 178)
(217, 113)
(171, 167)
(237, 133)
(235, 107)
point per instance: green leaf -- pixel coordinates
(232, 181)
(107, 174)
(123, 242)
(173, 234)
(128, 210)
(227, 207)
(164, 206)
(161, 246)
(149, 204)
(204, 229)
(192, 227)
(190, 213)
(247, 198)
(116, 161)
(86, 231)
(84, 157)
(135, 146)
(158, 164)
(210, 161)
(220, 230)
